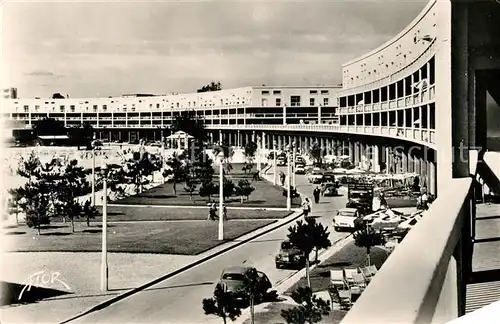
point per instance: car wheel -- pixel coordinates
(278, 266)
(337, 229)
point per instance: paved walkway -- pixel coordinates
(485, 286)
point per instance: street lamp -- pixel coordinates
(294, 157)
(104, 253)
(258, 155)
(288, 184)
(93, 145)
(220, 156)
(275, 157)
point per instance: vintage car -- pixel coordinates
(289, 256)
(280, 161)
(300, 170)
(345, 219)
(329, 189)
(316, 176)
(232, 279)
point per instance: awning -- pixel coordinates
(53, 137)
(180, 135)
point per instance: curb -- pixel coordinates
(180, 270)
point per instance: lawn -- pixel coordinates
(188, 238)
(122, 213)
(264, 195)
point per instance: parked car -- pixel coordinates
(329, 189)
(300, 170)
(315, 176)
(345, 219)
(280, 161)
(232, 278)
(289, 256)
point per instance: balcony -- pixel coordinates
(456, 276)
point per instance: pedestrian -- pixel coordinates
(316, 194)
(224, 212)
(306, 207)
(424, 200)
(212, 211)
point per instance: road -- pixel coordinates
(179, 299)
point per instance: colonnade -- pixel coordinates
(373, 156)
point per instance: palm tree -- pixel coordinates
(222, 304)
(368, 238)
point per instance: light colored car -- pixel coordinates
(315, 176)
(300, 170)
(345, 219)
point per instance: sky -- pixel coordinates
(100, 49)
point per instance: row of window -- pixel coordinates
(312, 92)
(294, 102)
(418, 81)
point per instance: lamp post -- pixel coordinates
(93, 145)
(288, 184)
(258, 155)
(274, 157)
(104, 252)
(294, 156)
(221, 195)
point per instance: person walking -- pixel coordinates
(212, 211)
(306, 207)
(316, 194)
(224, 212)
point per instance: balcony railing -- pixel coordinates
(417, 286)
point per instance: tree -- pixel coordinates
(36, 204)
(320, 237)
(250, 150)
(228, 188)
(48, 126)
(222, 304)
(310, 309)
(176, 169)
(58, 96)
(303, 237)
(368, 238)
(208, 189)
(191, 182)
(212, 86)
(141, 165)
(316, 153)
(252, 288)
(244, 189)
(192, 124)
(82, 135)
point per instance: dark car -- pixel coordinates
(329, 189)
(289, 256)
(232, 279)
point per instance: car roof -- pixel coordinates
(236, 269)
(352, 210)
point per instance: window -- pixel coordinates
(37, 107)
(104, 107)
(276, 92)
(177, 104)
(95, 108)
(264, 102)
(158, 105)
(324, 92)
(72, 108)
(265, 92)
(295, 101)
(325, 101)
(313, 91)
(278, 102)
(61, 108)
(26, 108)
(311, 102)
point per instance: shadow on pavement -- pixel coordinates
(14, 293)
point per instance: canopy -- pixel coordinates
(47, 137)
(179, 135)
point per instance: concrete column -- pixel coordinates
(376, 158)
(432, 178)
(444, 98)
(253, 137)
(351, 151)
(263, 141)
(404, 162)
(411, 166)
(280, 142)
(238, 134)
(387, 160)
